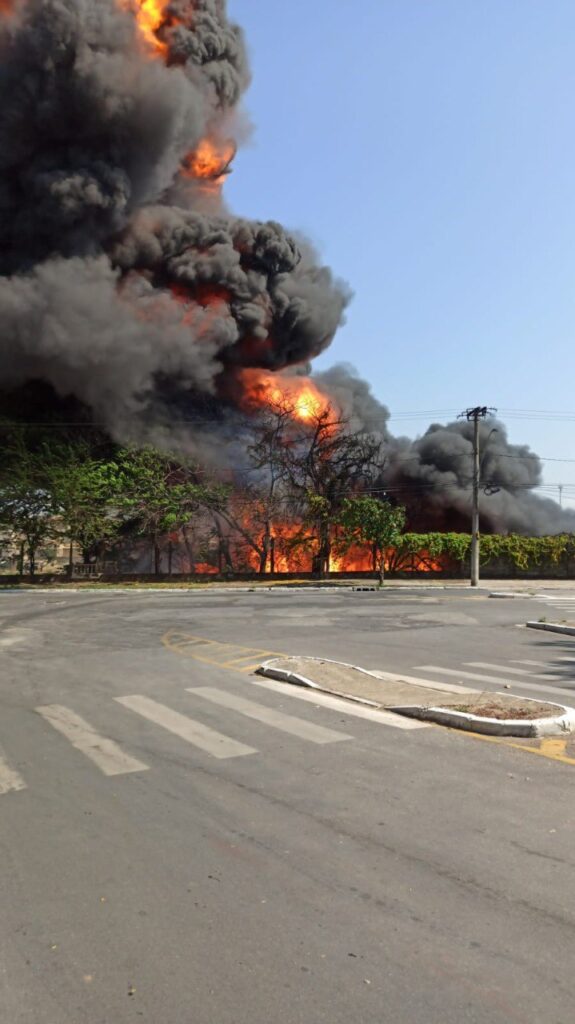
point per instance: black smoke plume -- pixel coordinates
(123, 277)
(432, 476)
(126, 285)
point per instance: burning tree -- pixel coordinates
(322, 462)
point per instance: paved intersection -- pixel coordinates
(183, 840)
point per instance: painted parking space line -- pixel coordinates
(103, 752)
(199, 735)
(269, 716)
(10, 780)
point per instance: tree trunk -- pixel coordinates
(71, 560)
(272, 555)
(189, 550)
(382, 570)
(32, 558)
(264, 550)
(157, 556)
(170, 555)
(324, 551)
(21, 559)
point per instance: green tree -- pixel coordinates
(369, 521)
(156, 494)
(82, 493)
(25, 507)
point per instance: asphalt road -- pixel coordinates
(241, 855)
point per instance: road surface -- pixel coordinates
(182, 841)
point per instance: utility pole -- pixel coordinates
(560, 486)
(479, 412)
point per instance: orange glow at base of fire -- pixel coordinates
(299, 395)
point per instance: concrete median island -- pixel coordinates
(454, 706)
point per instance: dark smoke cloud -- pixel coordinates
(127, 284)
(435, 472)
(432, 475)
(106, 287)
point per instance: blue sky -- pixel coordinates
(427, 147)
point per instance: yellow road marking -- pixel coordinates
(224, 655)
(552, 747)
(188, 646)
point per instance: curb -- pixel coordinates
(552, 627)
(556, 725)
(269, 669)
(285, 676)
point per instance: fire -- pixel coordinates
(150, 16)
(299, 395)
(210, 161)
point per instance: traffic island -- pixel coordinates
(499, 715)
(458, 707)
(553, 627)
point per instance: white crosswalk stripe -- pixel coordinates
(512, 671)
(10, 780)
(269, 716)
(459, 673)
(343, 707)
(105, 753)
(199, 735)
(499, 680)
(526, 661)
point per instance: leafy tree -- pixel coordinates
(155, 494)
(369, 521)
(25, 508)
(82, 497)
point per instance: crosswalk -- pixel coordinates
(516, 674)
(111, 759)
(10, 780)
(562, 606)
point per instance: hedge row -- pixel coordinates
(449, 549)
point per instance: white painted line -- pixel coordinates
(512, 671)
(539, 687)
(107, 755)
(526, 661)
(431, 684)
(343, 707)
(214, 743)
(10, 779)
(269, 716)
(459, 673)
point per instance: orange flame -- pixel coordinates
(210, 161)
(299, 395)
(150, 16)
